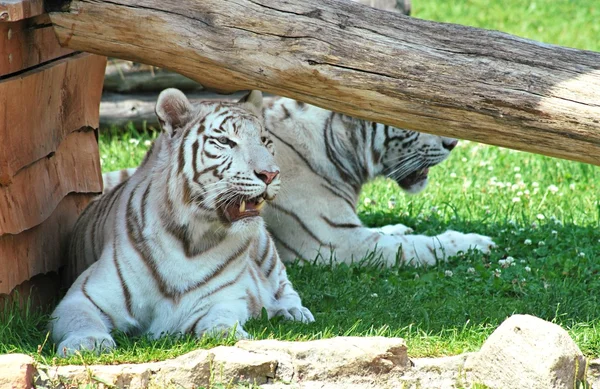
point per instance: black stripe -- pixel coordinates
(298, 220)
(102, 312)
(126, 291)
(339, 225)
(289, 248)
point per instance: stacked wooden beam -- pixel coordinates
(49, 160)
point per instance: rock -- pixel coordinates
(342, 356)
(527, 352)
(16, 371)
(233, 365)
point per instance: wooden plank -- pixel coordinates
(36, 190)
(38, 109)
(28, 43)
(440, 78)
(40, 249)
(14, 10)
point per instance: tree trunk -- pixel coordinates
(446, 79)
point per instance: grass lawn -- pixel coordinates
(543, 213)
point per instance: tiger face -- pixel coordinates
(408, 155)
(225, 157)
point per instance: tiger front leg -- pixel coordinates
(78, 325)
(419, 250)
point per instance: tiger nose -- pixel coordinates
(450, 144)
(266, 176)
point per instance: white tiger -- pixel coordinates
(325, 159)
(180, 246)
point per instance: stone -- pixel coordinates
(527, 352)
(17, 371)
(336, 357)
(234, 365)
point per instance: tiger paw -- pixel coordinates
(454, 242)
(296, 313)
(96, 342)
(226, 330)
(394, 229)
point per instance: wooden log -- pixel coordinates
(452, 80)
(128, 77)
(119, 109)
(39, 108)
(40, 249)
(37, 189)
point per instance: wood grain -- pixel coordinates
(39, 108)
(448, 79)
(28, 43)
(40, 249)
(14, 10)
(37, 189)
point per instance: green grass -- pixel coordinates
(543, 213)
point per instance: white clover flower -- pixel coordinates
(554, 232)
(516, 199)
(147, 143)
(497, 272)
(541, 243)
(517, 169)
(526, 192)
(582, 254)
(463, 159)
(519, 193)
(471, 270)
(572, 186)
(367, 201)
(535, 184)
(374, 295)
(502, 262)
(540, 216)
(453, 175)
(518, 175)
(527, 242)
(527, 269)
(553, 188)
(513, 264)
(509, 259)
(417, 276)
(534, 225)
(523, 261)
(448, 273)
(490, 168)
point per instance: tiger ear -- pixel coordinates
(254, 101)
(173, 110)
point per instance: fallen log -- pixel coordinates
(129, 77)
(118, 109)
(452, 80)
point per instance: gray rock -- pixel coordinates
(527, 352)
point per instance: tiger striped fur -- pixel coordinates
(325, 159)
(180, 247)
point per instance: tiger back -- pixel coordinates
(180, 246)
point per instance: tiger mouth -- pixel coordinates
(414, 178)
(244, 207)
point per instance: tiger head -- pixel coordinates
(222, 155)
(408, 155)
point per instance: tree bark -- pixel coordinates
(440, 78)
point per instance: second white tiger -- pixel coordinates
(325, 159)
